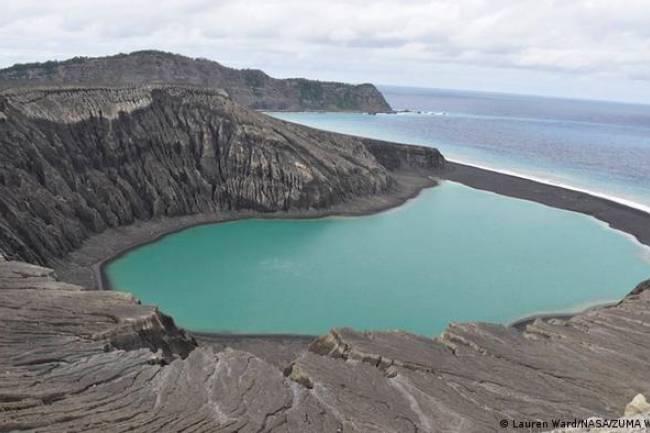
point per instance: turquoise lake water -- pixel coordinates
(452, 254)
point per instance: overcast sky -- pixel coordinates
(575, 48)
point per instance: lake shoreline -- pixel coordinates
(618, 216)
(520, 324)
(86, 266)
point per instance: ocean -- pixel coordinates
(598, 147)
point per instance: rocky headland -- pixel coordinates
(249, 87)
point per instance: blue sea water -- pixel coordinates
(601, 147)
(452, 254)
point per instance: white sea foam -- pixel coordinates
(414, 113)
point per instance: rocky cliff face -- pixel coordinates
(252, 88)
(75, 360)
(75, 161)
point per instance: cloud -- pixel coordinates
(580, 37)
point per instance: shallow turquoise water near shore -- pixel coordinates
(452, 254)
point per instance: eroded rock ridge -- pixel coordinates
(75, 161)
(249, 87)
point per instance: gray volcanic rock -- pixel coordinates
(65, 366)
(75, 161)
(249, 87)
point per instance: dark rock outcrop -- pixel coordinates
(403, 157)
(64, 367)
(249, 87)
(75, 161)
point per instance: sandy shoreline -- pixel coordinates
(627, 219)
(86, 266)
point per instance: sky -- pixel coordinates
(592, 49)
